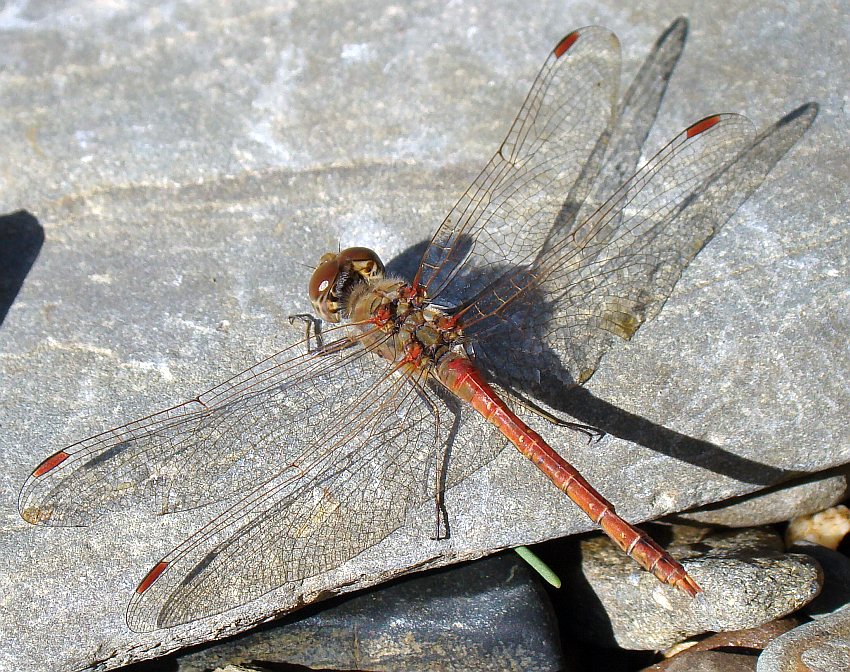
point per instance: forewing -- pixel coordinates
(212, 448)
(507, 212)
(615, 162)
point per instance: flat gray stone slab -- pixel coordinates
(187, 162)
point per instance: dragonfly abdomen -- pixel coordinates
(462, 377)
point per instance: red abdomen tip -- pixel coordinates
(152, 576)
(50, 463)
(702, 126)
(565, 44)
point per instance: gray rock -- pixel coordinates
(777, 504)
(836, 579)
(819, 646)
(747, 578)
(186, 161)
(487, 615)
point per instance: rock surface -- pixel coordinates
(187, 160)
(711, 661)
(488, 615)
(777, 504)
(747, 578)
(734, 651)
(836, 579)
(819, 646)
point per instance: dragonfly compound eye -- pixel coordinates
(337, 274)
(322, 286)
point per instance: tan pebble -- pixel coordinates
(825, 528)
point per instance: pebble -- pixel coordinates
(820, 646)
(733, 651)
(747, 577)
(825, 528)
(836, 579)
(492, 614)
(709, 661)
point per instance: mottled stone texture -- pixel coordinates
(487, 615)
(820, 645)
(747, 578)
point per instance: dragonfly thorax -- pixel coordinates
(400, 323)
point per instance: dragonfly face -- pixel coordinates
(335, 277)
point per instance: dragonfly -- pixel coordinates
(560, 248)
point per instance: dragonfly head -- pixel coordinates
(337, 274)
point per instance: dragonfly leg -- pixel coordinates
(592, 433)
(441, 516)
(314, 323)
(441, 519)
(310, 321)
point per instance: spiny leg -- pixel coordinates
(310, 321)
(592, 433)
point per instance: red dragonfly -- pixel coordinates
(329, 445)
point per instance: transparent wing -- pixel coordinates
(505, 215)
(208, 449)
(351, 488)
(618, 159)
(524, 206)
(333, 447)
(616, 269)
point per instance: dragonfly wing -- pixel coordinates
(619, 273)
(351, 487)
(610, 165)
(616, 268)
(564, 119)
(206, 450)
(618, 159)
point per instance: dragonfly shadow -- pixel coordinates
(714, 204)
(581, 404)
(557, 389)
(534, 373)
(404, 265)
(521, 349)
(21, 238)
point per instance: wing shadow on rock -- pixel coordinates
(518, 353)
